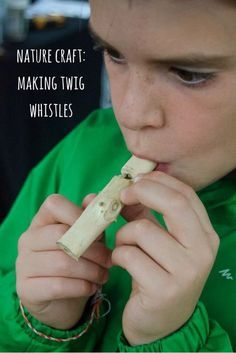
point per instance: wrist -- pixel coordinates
(135, 338)
(63, 316)
(53, 334)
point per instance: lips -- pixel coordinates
(162, 167)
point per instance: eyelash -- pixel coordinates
(111, 54)
(203, 78)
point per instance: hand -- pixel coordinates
(168, 268)
(51, 285)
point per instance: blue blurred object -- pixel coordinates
(67, 8)
(16, 24)
(2, 15)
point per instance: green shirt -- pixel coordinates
(82, 163)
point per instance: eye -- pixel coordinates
(112, 54)
(192, 78)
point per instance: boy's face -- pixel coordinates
(172, 71)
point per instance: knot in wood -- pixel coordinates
(113, 211)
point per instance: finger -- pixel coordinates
(86, 201)
(46, 288)
(155, 242)
(139, 211)
(99, 254)
(181, 220)
(58, 264)
(42, 239)
(45, 239)
(142, 268)
(187, 191)
(56, 209)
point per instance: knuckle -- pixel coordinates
(178, 202)
(215, 241)
(18, 264)
(22, 243)
(115, 255)
(20, 289)
(122, 255)
(119, 236)
(209, 260)
(142, 225)
(88, 199)
(51, 201)
(128, 253)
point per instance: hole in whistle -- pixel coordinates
(115, 206)
(128, 176)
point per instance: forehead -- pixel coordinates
(166, 23)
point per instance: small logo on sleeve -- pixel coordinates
(226, 273)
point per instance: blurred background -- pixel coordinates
(47, 24)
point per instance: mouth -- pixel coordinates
(162, 167)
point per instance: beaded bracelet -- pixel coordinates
(95, 314)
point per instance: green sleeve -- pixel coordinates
(199, 334)
(15, 334)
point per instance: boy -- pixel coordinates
(172, 71)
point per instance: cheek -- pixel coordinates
(118, 81)
(196, 120)
(117, 98)
(203, 120)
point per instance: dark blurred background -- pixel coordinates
(25, 140)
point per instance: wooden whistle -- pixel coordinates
(103, 210)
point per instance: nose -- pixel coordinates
(141, 105)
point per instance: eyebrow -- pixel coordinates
(197, 60)
(96, 37)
